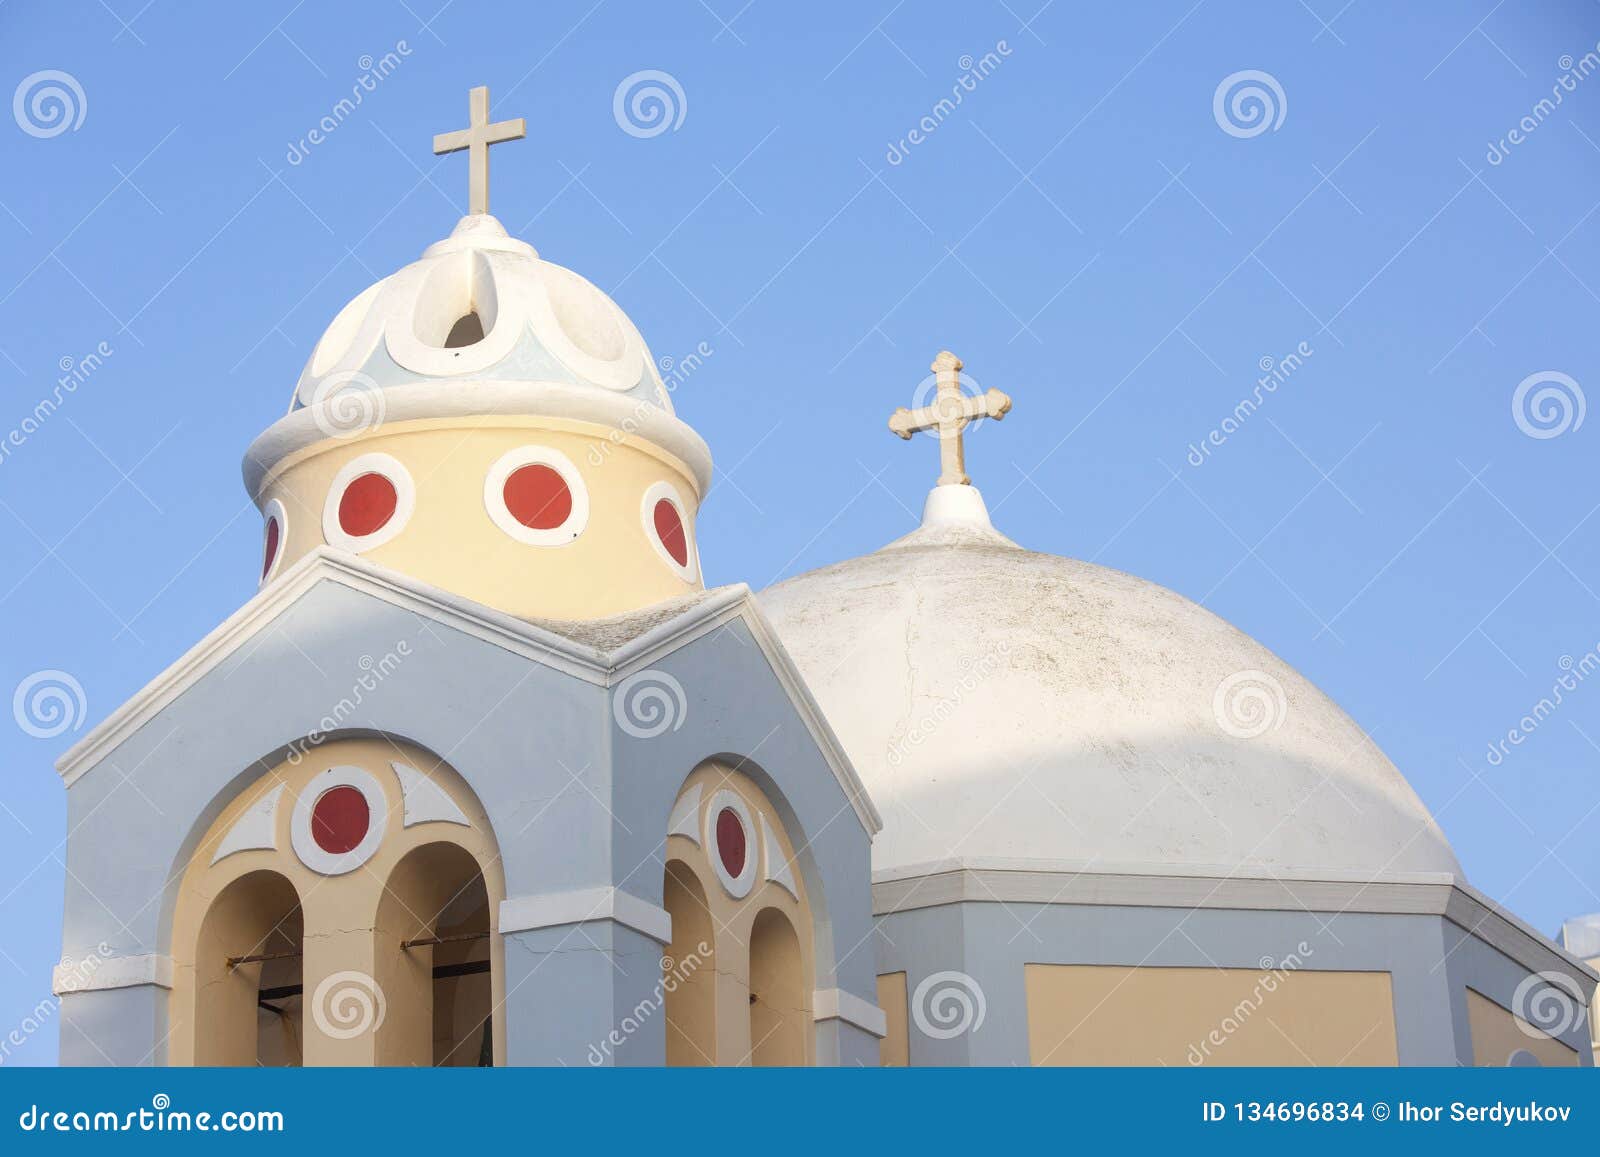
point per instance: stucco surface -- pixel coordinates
(1001, 703)
(575, 800)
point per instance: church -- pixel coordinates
(484, 774)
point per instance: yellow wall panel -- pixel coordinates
(1117, 1015)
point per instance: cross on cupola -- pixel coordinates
(949, 416)
(476, 139)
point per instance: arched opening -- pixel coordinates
(458, 303)
(688, 970)
(780, 1012)
(247, 964)
(468, 330)
(396, 932)
(735, 883)
(432, 952)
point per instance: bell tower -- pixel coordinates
(411, 805)
(490, 423)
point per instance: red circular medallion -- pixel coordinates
(270, 553)
(538, 497)
(366, 505)
(669, 529)
(730, 841)
(339, 819)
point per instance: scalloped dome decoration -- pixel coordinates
(429, 303)
(458, 291)
(479, 327)
(586, 331)
(586, 316)
(340, 340)
(484, 304)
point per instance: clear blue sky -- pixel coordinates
(1080, 229)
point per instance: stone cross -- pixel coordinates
(476, 139)
(949, 414)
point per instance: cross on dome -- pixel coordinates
(476, 139)
(949, 415)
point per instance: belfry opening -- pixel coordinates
(341, 911)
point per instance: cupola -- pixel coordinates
(491, 423)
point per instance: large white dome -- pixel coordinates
(1003, 705)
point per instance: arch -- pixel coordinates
(205, 823)
(429, 869)
(780, 992)
(820, 927)
(734, 869)
(440, 992)
(249, 1010)
(269, 768)
(689, 969)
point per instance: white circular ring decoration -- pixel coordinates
(737, 886)
(405, 495)
(494, 496)
(274, 510)
(653, 494)
(305, 844)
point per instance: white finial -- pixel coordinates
(476, 139)
(949, 415)
(955, 506)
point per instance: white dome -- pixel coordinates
(481, 324)
(1008, 706)
(532, 321)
